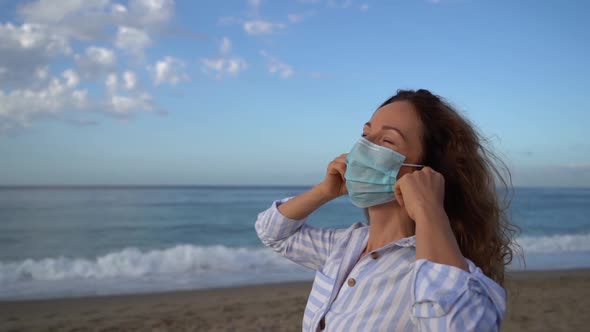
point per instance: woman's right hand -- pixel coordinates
(334, 184)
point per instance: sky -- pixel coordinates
(268, 92)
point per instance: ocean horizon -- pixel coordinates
(79, 240)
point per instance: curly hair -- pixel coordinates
(472, 172)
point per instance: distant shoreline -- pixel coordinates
(208, 186)
(537, 301)
(509, 275)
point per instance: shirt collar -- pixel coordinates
(405, 242)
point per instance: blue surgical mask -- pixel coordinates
(371, 172)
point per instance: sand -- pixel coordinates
(538, 301)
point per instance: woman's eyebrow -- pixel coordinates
(368, 124)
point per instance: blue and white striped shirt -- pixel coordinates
(388, 289)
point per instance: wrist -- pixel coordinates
(321, 194)
(431, 213)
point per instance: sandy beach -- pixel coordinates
(538, 301)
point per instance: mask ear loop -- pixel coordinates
(413, 165)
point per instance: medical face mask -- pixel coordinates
(371, 172)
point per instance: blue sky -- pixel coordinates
(269, 92)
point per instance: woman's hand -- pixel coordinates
(331, 187)
(420, 192)
(334, 184)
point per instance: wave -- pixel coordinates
(207, 261)
(134, 263)
(554, 244)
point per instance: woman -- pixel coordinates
(432, 256)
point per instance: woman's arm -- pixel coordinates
(301, 206)
(282, 227)
(449, 292)
(289, 235)
(435, 240)
(445, 298)
(421, 193)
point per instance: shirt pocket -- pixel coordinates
(318, 297)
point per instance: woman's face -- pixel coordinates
(396, 126)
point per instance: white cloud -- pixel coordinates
(20, 107)
(126, 105)
(42, 72)
(33, 36)
(112, 82)
(151, 12)
(71, 77)
(101, 56)
(118, 9)
(260, 27)
(92, 19)
(168, 70)
(48, 11)
(298, 17)
(275, 66)
(225, 46)
(342, 4)
(73, 19)
(130, 80)
(364, 7)
(124, 96)
(224, 65)
(96, 62)
(62, 97)
(30, 52)
(254, 3)
(25, 48)
(132, 40)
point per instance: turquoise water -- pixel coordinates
(106, 240)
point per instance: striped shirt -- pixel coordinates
(387, 289)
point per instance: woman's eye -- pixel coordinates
(388, 141)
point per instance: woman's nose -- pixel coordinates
(371, 137)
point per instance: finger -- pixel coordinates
(338, 162)
(340, 168)
(332, 168)
(337, 168)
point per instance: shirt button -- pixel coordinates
(351, 282)
(374, 255)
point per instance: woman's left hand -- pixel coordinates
(420, 191)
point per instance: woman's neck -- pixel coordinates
(388, 222)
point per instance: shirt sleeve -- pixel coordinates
(446, 298)
(303, 244)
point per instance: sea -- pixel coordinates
(105, 240)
